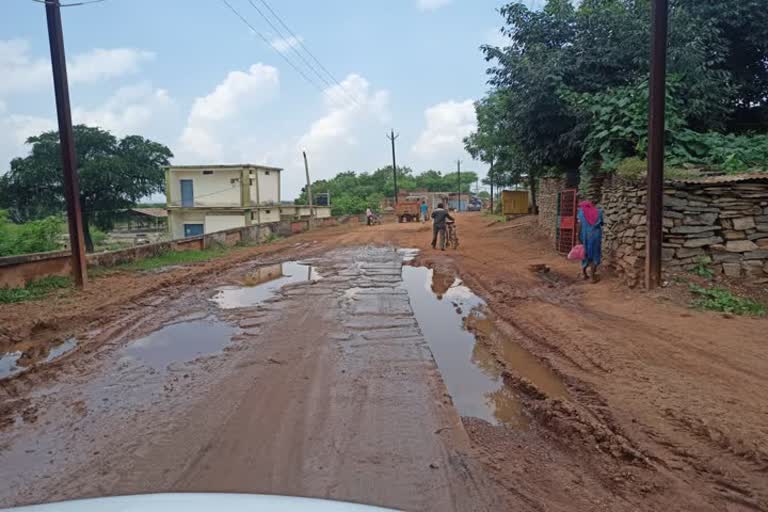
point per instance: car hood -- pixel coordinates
(195, 502)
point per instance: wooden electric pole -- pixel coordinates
(67, 142)
(490, 179)
(309, 191)
(655, 192)
(458, 172)
(392, 138)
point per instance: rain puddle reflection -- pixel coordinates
(13, 363)
(263, 283)
(449, 314)
(181, 342)
(472, 377)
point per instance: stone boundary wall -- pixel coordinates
(546, 200)
(16, 271)
(726, 222)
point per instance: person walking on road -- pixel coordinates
(369, 216)
(439, 216)
(424, 210)
(591, 237)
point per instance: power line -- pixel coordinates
(75, 4)
(312, 55)
(263, 38)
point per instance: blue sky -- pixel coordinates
(191, 75)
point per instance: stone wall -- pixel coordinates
(546, 200)
(723, 220)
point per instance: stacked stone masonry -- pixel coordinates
(546, 200)
(725, 223)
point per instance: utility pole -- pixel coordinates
(392, 138)
(309, 191)
(67, 142)
(458, 172)
(490, 178)
(655, 192)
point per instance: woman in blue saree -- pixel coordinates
(591, 237)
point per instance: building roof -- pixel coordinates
(150, 212)
(226, 167)
(722, 179)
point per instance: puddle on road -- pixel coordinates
(524, 363)
(181, 342)
(408, 254)
(473, 382)
(470, 370)
(13, 363)
(263, 283)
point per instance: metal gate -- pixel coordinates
(566, 230)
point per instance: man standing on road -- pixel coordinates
(424, 209)
(439, 217)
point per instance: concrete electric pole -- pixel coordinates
(309, 191)
(655, 192)
(67, 142)
(392, 138)
(458, 172)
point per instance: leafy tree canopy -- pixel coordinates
(114, 175)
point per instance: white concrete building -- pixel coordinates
(208, 198)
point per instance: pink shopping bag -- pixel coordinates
(577, 253)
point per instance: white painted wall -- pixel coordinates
(216, 189)
(266, 215)
(177, 219)
(322, 212)
(214, 223)
(269, 187)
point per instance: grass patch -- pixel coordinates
(169, 258)
(702, 268)
(720, 299)
(34, 289)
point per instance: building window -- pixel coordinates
(251, 181)
(207, 172)
(266, 211)
(266, 172)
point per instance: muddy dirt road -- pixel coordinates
(321, 366)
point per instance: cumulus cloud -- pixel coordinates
(286, 43)
(15, 129)
(129, 110)
(431, 5)
(347, 105)
(447, 124)
(238, 92)
(21, 72)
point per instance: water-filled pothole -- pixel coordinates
(181, 342)
(14, 363)
(263, 283)
(448, 312)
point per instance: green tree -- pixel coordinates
(114, 175)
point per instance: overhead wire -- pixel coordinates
(267, 41)
(73, 4)
(306, 49)
(297, 40)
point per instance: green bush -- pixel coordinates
(720, 299)
(34, 289)
(36, 236)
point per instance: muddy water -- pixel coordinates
(439, 303)
(13, 363)
(180, 342)
(263, 283)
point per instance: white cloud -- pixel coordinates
(447, 124)
(283, 44)
(348, 103)
(238, 92)
(130, 110)
(15, 130)
(431, 5)
(21, 72)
